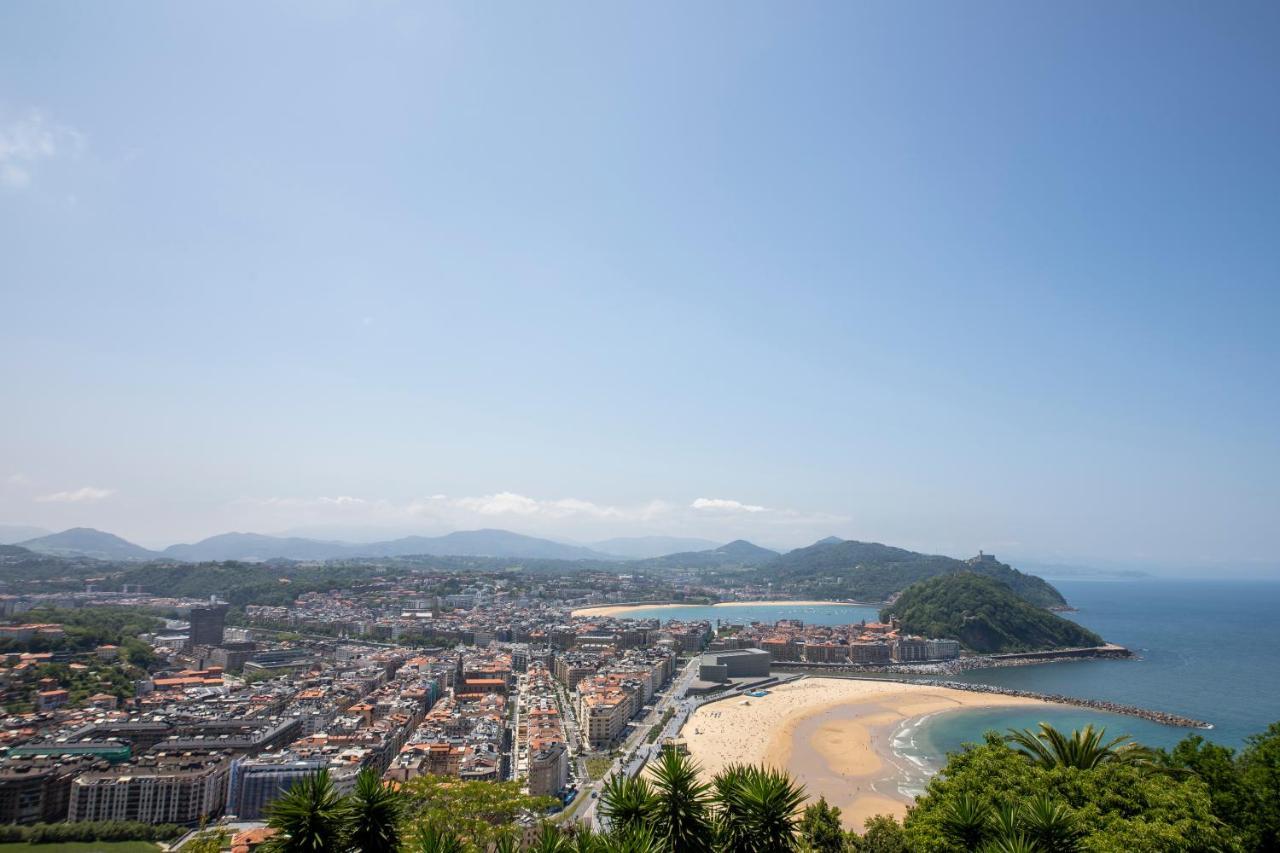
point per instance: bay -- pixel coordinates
(744, 614)
(1206, 649)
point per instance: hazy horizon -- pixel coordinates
(1001, 276)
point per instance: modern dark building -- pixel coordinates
(208, 625)
(719, 667)
(257, 782)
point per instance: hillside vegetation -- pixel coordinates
(984, 615)
(738, 553)
(869, 571)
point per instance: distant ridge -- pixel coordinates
(480, 543)
(12, 534)
(87, 542)
(830, 568)
(462, 543)
(739, 552)
(646, 547)
(256, 547)
(870, 571)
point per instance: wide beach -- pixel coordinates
(615, 609)
(832, 734)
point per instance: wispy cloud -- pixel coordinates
(84, 494)
(30, 140)
(510, 503)
(17, 479)
(564, 516)
(339, 501)
(726, 505)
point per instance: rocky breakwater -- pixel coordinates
(1162, 717)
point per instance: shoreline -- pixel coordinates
(834, 735)
(899, 676)
(615, 609)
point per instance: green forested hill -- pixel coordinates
(736, 553)
(984, 615)
(869, 571)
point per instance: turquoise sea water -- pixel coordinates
(1207, 650)
(743, 614)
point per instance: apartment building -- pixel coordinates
(156, 788)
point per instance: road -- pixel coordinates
(635, 750)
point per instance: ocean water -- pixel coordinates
(744, 614)
(1207, 649)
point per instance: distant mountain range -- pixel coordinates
(645, 547)
(12, 534)
(839, 569)
(739, 552)
(87, 542)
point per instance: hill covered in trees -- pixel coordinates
(739, 553)
(984, 615)
(869, 571)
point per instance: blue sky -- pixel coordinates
(950, 276)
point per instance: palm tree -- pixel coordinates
(758, 809)
(582, 839)
(627, 803)
(551, 839)
(312, 817)
(1084, 749)
(376, 811)
(434, 839)
(967, 821)
(1016, 843)
(681, 820)
(1004, 823)
(1051, 826)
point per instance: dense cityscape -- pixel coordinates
(492, 682)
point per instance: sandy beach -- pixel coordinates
(615, 609)
(834, 735)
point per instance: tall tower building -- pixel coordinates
(208, 624)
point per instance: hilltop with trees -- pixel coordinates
(869, 571)
(984, 615)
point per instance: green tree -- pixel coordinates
(882, 834)
(208, 841)
(481, 812)
(628, 803)
(1083, 749)
(376, 813)
(1260, 773)
(966, 820)
(431, 838)
(820, 828)
(1218, 768)
(1050, 825)
(312, 817)
(681, 820)
(758, 809)
(1113, 805)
